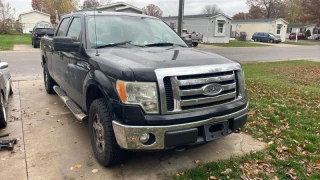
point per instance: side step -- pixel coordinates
(74, 108)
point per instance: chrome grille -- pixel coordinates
(191, 94)
(183, 89)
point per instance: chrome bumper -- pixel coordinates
(128, 136)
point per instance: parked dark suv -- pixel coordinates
(265, 37)
(37, 33)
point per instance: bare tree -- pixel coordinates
(271, 8)
(152, 10)
(6, 16)
(211, 9)
(90, 3)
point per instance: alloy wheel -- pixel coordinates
(98, 133)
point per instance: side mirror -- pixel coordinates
(65, 44)
(31, 32)
(3, 65)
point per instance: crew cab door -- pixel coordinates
(77, 66)
(59, 64)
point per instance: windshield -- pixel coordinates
(138, 30)
(44, 31)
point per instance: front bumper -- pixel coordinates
(128, 136)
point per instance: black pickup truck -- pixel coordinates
(139, 85)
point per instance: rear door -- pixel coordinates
(58, 60)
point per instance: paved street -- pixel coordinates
(23, 64)
(54, 145)
(27, 64)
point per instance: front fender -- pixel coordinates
(103, 82)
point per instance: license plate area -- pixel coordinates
(216, 130)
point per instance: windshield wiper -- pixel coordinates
(163, 44)
(111, 44)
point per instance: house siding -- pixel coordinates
(29, 20)
(269, 27)
(205, 26)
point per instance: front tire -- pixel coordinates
(195, 44)
(3, 114)
(48, 81)
(271, 41)
(103, 141)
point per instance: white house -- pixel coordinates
(215, 28)
(117, 7)
(29, 19)
(250, 26)
(314, 29)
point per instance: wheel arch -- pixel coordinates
(98, 86)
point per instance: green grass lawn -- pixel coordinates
(7, 41)
(284, 113)
(297, 43)
(237, 44)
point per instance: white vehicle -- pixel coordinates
(195, 37)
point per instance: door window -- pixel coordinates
(75, 29)
(63, 27)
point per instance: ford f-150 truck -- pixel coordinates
(139, 86)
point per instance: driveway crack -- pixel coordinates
(24, 142)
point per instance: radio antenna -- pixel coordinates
(95, 28)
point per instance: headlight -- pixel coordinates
(143, 94)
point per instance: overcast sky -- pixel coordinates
(169, 7)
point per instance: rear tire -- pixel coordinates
(34, 45)
(3, 114)
(48, 81)
(11, 90)
(195, 44)
(103, 141)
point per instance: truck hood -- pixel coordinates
(143, 61)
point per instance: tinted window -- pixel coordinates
(75, 29)
(43, 31)
(63, 27)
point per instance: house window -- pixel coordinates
(279, 26)
(220, 27)
(289, 30)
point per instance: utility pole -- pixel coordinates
(180, 18)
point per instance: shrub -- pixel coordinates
(308, 33)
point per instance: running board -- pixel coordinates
(74, 108)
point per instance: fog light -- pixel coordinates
(144, 138)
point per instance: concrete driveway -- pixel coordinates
(54, 145)
(25, 48)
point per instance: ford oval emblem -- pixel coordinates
(212, 89)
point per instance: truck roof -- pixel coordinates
(107, 13)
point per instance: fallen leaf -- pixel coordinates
(196, 161)
(271, 142)
(94, 170)
(77, 166)
(227, 171)
(213, 178)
